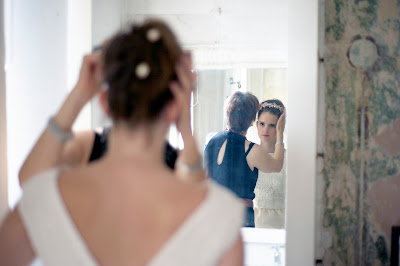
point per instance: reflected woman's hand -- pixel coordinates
(280, 126)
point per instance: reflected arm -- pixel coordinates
(264, 162)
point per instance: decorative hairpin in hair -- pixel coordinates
(142, 70)
(153, 35)
(271, 105)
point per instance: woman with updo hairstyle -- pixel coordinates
(128, 207)
(131, 66)
(233, 161)
(270, 190)
(88, 146)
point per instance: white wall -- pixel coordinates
(226, 33)
(37, 75)
(79, 42)
(3, 128)
(107, 18)
(229, 22)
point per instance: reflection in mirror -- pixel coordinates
(213, 88)
(232, 43)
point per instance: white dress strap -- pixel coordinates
(207, 234)
(44, 214)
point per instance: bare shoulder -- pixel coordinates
(255, 146)
(101, 196)
(100, 183)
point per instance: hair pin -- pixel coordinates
(142, 70)
(153, 35)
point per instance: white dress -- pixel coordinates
(269, 201)
(204, 237)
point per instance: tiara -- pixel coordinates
(271, 105)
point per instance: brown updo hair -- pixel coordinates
(241, 109)
(135, 98)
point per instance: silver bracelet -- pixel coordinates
(197, 166)
(59, 133)
(279, 142)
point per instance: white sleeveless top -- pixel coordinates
(270, 190)
(203, 238)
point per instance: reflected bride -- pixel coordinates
(232, 160)
(269, 201)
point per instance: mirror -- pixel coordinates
(235, 46)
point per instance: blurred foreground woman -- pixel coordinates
(128, 208)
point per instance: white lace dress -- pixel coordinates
(269, 201)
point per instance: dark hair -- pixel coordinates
(135, 98)
(241, 109)
(270, 109)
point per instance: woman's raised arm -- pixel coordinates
(265, 162)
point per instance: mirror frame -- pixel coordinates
(302, 132)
